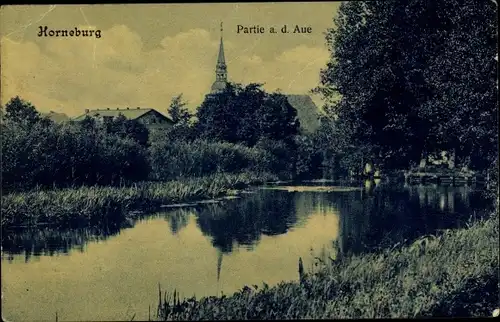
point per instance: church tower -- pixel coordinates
(220, 69)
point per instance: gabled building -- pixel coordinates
(151, 118)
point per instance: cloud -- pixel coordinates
(251, 60)
(71, 74)
(294, 71)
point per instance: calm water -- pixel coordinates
(113, 273)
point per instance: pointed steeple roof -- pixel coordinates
(221, 59)
(220, 69)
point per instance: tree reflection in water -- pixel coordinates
(178, 219)
(379, 216)
(50, 241)
(371, 219)
(243, 221)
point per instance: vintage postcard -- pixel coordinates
(221, 161)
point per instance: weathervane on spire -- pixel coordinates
(221, 28)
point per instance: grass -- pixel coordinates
(100, 205)
(454, 274)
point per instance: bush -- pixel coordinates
(308, 157)
(281, 156)
(47, 154)
(182, 159)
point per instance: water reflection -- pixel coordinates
(178, 219)
(117, 279)
(374, 217)
(243, 222)
(379, 216)
(237, 222)
(210, 248)
(47, 241)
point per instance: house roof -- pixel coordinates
(307, 112)
(129, 113)
(56, 117)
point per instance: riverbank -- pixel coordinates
(454, 274)
(100, 205)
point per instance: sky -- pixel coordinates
(149, 53)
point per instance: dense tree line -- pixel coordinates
(411, 78)
(39, 152)
(254, 129)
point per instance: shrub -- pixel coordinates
(182, 159)
(47, 154)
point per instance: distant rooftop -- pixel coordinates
(130, 113)
(307, 112)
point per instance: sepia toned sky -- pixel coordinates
(149, 53)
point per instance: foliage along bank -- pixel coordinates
(40, 153)
(100, 206)
(412, 78)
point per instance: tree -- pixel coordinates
(38, 152)
(217, 116)
(308, 157)
(247, 114)
(183, 129)
(21, 111)
(277, 119)
(126, 128)
(463, 78)
(137, 132)
(414, 77)
(340, 156)
(177, 111)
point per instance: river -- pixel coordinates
(113, 273)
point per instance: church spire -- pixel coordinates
(220, 68)
(221, 60)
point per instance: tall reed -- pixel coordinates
(455, 274)
(98, 205)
